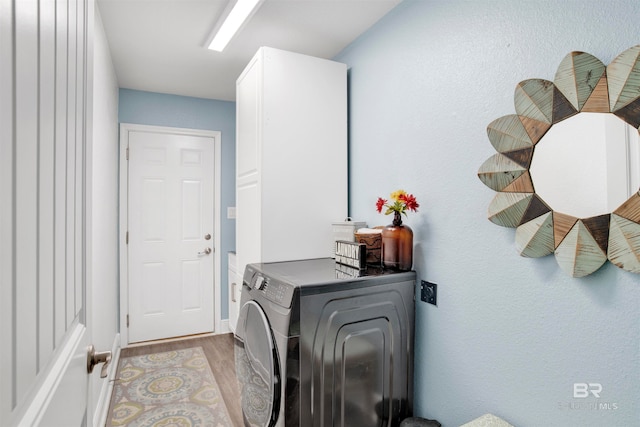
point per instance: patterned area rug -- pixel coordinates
(175, 388)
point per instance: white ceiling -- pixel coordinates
(158, 45)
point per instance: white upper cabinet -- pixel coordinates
(291, 156)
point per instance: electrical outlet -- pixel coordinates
(429, 292)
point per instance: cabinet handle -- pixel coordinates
(233, 292)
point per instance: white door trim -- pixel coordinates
(125, 128)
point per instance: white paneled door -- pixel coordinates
(170, 234)
(45, 124)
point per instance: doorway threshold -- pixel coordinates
(173, 339)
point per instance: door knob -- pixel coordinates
(206, 251)
(94, 358)
(207, 236)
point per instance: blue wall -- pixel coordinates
(510, 335)
(157, 109)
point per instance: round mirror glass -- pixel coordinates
(587, 165)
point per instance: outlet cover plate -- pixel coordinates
(429, 292)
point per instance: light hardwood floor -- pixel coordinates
(219, 352)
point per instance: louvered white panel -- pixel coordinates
(80, 111)
(26, 194)
(60, 177)
(46, 159)
(7, 136)
(71, 163)
(43, 98)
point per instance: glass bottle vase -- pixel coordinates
(397, 245)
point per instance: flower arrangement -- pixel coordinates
(401, 202)
(397, 239)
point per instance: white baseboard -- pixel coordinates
(102, 408)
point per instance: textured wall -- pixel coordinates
(158, 109)
(510, 335)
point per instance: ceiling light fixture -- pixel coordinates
(240, 13)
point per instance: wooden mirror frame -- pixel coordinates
(581, 245)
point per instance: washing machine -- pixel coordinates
(316, 346)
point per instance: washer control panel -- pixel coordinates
(274, 290)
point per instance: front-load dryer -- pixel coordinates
(316, 347)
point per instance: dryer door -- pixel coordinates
(257, 367)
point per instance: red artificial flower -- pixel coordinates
(401, 202)
(410, 202)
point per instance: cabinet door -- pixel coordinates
(291, 149)
(248, 115)
(248, 207)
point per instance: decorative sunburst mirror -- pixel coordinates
(563, 194)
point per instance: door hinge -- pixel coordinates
(127, 153)
(127, 320)
(126, 238)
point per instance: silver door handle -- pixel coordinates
(233, 292)
(206, 251)
(94, 358)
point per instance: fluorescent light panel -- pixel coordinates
(238, 15)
